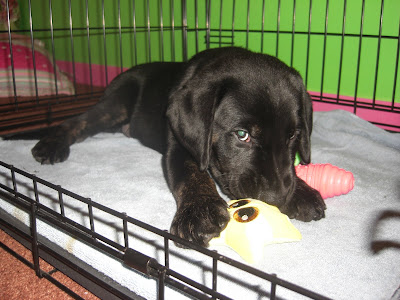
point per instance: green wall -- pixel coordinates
(302, 51)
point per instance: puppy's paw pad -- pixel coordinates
(309, 208)
(201, 223)
(50, 150)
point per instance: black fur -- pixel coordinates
(237, 115)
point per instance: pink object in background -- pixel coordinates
(329, 180)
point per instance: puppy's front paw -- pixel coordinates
(50, 150)
(306, 204)
(201, 220)
(311, 209)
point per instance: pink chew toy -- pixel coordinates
(329, 180)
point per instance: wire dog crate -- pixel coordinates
(58, 56)
(346, 51)
(120, 252)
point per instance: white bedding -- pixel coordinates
(334, 257)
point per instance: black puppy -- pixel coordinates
(241, 116)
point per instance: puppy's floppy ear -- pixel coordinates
(306, 116)
(190, 113)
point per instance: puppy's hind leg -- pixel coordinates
(111, 112)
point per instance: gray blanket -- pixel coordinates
(354, 253)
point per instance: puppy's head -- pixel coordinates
(243, 116)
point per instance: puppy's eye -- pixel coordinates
(294, 134)
(243, 136)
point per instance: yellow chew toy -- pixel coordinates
(253, 225)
